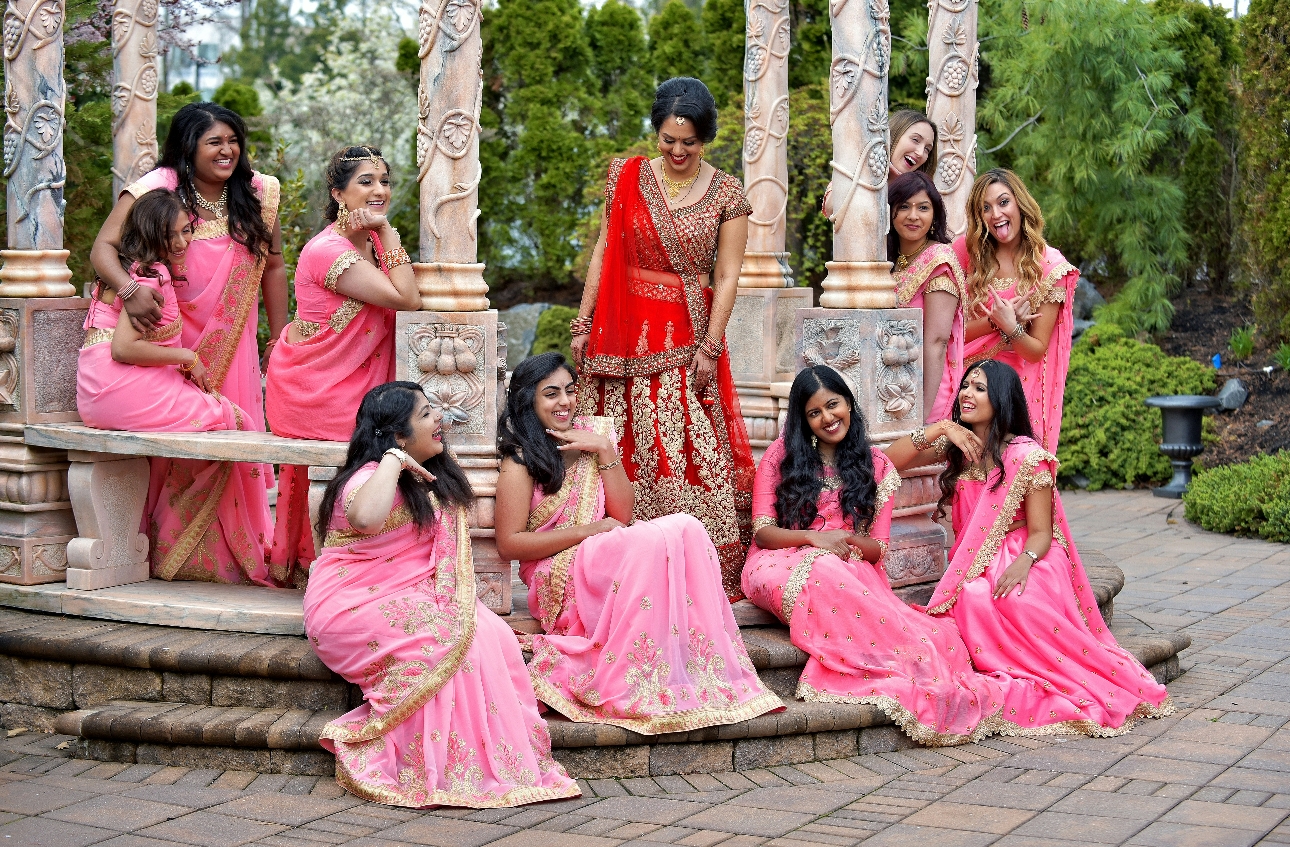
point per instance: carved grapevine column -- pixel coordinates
(451, 93)
(134, 96)
(859, 277)
(954, 58)
(765, 154)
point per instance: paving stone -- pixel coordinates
(120, 813)
(32, 798)
(1090, 828)
(655, 810)
(1196, 813)
(902, 835)
(1161, 834)
(210, 830)
(43, 832)
(446, 832)
(1010, 795)
(544, 839)
(973, 818)
(745, 820)
(1113, 805)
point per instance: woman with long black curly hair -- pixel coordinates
(822, 506)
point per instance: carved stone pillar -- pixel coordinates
(455, 347)
(953, 59)
(760, 333)
(859, 276)
(450, 96)
(134, 96)
(40, 323)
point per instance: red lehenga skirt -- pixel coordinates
(685, 453)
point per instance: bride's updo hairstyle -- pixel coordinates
(520, 435)
(384, 414)
(801, 473)
(686, 97)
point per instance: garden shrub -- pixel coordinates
(1252, 498)
(553, 331)
(1108, 435)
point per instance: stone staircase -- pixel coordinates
(239, 701)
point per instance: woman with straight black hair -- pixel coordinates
(1015, 586)
(822, 510)
(650, 336)
(637, 629)
(234, 258)
(449, 717)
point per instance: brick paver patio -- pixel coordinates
(1217, 773)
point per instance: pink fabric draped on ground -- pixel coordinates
(1061, 669)
(937, 269)
(865, 645)
(1044, 381)
(449, 716)
(639, 633)
(314, 386)
(210, 521)
(212, 528)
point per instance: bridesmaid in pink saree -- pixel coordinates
(638, 630)
(928, 277)
(1015, 279)
(449, 717)
(350, 280)
(235, 256)
(822, 506)
(1015, 585)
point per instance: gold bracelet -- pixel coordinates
(580, 325)
(394, 258)
(188, 368)
(941, 445)
(618, 460)
(919, 437)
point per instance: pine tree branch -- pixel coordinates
(1006, 141)
(910, 43)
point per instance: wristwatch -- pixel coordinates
(1034, 557)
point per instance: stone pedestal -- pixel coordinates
(760, 338)
(877, 352)
(459, 361)
(858, 285)
(451, 287)
(39, 342)
(109, 493)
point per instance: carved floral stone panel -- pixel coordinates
(448, 360)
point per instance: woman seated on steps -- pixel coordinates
(448, 716)
(1015, 585)
(638, 632)
(822, 506)
(149, 382)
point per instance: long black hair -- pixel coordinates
(386, 412)
(245, 225)
(341, 169)
(145, 234)
(520, 435)
(900, 190)
(1011, 417)
(801, 473)
(686, 97)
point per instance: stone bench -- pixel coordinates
(108, 482)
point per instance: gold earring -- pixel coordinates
(815, 443)
(342, 217)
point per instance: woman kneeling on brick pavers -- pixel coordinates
(822, 506)
(449, 717)
(1015, 585)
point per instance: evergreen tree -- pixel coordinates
(907, 85)
(812, 46)
(724, 23)
(1265, 135)
(268, 34)
(1206, 164)
(1082, 99)
(676, 43)
(621, 80)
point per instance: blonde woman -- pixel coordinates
(1020, 292)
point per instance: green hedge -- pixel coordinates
(1252, 498)
(1108, 435)
(553, 331)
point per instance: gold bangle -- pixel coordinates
(580, 325)
(618, 460)
(394, 258)
(188, 368)
(919, 437)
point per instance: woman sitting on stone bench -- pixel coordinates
(449, 717)
(150, 382)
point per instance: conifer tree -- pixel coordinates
(724, 23)
(621, 80)
(676, 43)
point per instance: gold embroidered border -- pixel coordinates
(461, 580)
(911, 279)
(796, 582)
(922, 733)
(399, 518)
(1017, 491)
(342, 316)
(183, 548)
(515, 797)
(167, 332)
(655, 724)
(762, 522)
(343, 262)
(1088, 727)
(97, 336)
(886, 489)
(207, 230)
(307, 329)
(655, 291)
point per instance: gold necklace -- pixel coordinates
(673, 187)
(219, 208)
(902, 261)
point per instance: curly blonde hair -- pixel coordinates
(981, 244)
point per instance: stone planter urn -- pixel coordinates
(1182, 415)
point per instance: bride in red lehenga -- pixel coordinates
(649, 339)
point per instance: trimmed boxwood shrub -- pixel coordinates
(553, 331)
(1252, 498)
(1108, 435)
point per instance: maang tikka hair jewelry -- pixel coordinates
(371, 156)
